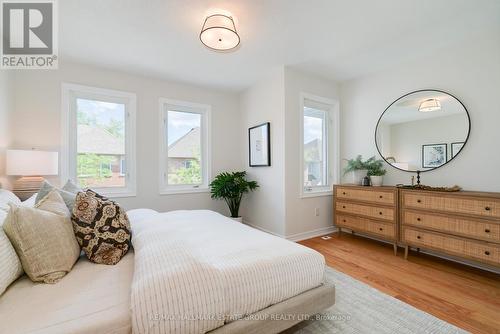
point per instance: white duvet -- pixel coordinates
(196, 270)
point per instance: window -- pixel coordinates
(319, 145)
(185, 147)
(99, 134)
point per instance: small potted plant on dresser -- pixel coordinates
(231, 187)
(376, 172)
(358, 169)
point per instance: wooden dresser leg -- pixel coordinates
(395, 249)
(406, 252)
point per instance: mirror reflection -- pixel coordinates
(422, 130)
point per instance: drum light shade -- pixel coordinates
(32, 163)
(430, 105)
(219, 33)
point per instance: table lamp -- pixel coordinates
(31, 165)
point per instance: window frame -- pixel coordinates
(70, 93)
(331, 131)
(206, 166)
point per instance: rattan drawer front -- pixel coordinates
(487, 252)
(382, 197)
(465, 227)
(366, 210)
(434, 241)
(367, 225)
(479, 207)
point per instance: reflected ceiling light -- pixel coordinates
(430, 105)
(219, 33)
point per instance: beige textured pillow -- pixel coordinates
(43, 238)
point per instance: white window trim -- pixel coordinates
(333, 162)
(68, 141)
(206, 111)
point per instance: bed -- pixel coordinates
(190, 272)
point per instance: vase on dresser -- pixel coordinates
(358, 175)
(376, 180)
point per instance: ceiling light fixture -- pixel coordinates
(430, 105)
(219, 33)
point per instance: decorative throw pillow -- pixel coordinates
(11, 267)
(101, 227)
(68, 193)
(7, 197)
(43, 238)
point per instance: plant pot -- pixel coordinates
(358, 175)
(238, 219)
(376, 180)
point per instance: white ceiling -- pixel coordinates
(337, 39)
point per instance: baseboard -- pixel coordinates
(299, 236)
(312, 234)
(262, 229)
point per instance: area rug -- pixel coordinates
(359, 308)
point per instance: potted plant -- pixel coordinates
(231, 187)
(358, 169)
(376, 172)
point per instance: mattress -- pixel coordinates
(198, 270)
(92, 298)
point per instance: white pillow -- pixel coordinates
(6, 197)
(30, 202)
(10, 263)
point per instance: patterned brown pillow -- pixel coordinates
(101, 228)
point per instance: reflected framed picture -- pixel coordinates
(455, 148)
(259, 149)
(434, 155)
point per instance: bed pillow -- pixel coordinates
(11, 267)
(68, 193)
(7, 197)
(43, 238)
(101, 227)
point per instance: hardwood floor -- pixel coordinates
(464, 296)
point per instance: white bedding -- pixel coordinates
(196, 270)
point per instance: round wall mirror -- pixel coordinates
(422, 130)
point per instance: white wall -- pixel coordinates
(471, 72)
(36, 123)
(264, 102)
(6, 107)
(300, 212)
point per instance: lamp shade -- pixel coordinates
(219, 33)
(430, 105)
(32, 163)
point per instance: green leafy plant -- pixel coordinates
(357, 164)
(376, 168)
(231, 187)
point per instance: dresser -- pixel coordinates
(369, 210)
(462, 224)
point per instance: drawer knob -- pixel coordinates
(418, 219)
(380, 213)
(487, 230)
(344, 220)
(380, 229)
(343, 206)
(487, 208)
(381, 196)
(343, 193)
(419, 237)
(487, 253)
(419, 201)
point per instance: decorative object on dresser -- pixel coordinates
(358, 169)
(31, 165)
(376, 172)
(463, 224)
(372, 211)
